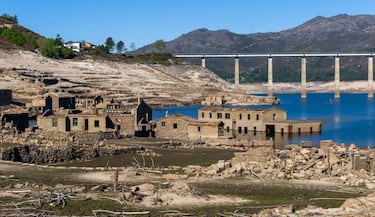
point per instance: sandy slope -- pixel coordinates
(176, 84)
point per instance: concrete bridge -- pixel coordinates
(303, 57)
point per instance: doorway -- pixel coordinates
(270, 130)
(86, 124)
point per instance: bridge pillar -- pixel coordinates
(337, 77)
(270, 79)
(370, 77)
(203, 62)
(236, 72)
(303, 77)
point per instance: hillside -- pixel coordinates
(25, 71)
(31, 75)
(341, 33)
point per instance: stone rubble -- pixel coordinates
(348, 165)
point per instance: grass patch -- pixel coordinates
(262, 195)
(166, 157)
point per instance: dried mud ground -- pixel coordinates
(230, 195)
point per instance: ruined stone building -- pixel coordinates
(182, 127)
(245, 120)
(12, 117)
(87, 101)
(104, 119)
(222, 122)
(55, 102)
(36, 106)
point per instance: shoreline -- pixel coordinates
(361, 86)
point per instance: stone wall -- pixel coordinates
(172, 127)
(46, 155)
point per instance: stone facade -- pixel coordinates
(85, 102)
(55, 102)
(103, 119)
(173, 127)
(205, 130)
(244, 120)
(74, 123)
(123, 123)
(181, 127)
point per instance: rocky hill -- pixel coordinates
(341, 33)
(30, 75)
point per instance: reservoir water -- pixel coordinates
(351, 119)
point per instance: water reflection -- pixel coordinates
(351, 119)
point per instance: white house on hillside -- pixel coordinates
(75, 46)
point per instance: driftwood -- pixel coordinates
(103, 211)
(234, 214)
(178, 214)
(18, 191)
(175, 213)
(328, 198)
(256, 175)
(143, 168)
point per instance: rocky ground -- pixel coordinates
(331, 167)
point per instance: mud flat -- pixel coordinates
(257, 179)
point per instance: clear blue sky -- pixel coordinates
(145, 21)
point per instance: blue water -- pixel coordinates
(351, 119)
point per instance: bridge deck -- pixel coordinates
(272, 55)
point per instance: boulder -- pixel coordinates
(299, 175)
(369, 185)
(305, 151)
(281, 175)
(220, 166)
(181, 188)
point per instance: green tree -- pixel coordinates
(110, 44)
(52, 48)
(160, 45)
(132, 46)
(13, 36)
(58, 40)
(15, 19)
(99, 50)
(120, 47)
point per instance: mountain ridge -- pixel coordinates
(340, 33)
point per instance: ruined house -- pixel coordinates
(55, 102)
(87, 101)
(129, 121)
(126, 122)
(173, 127)
(14, 118)
(269, 120)
(36, 106)
(65, 121)
(182, 127)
